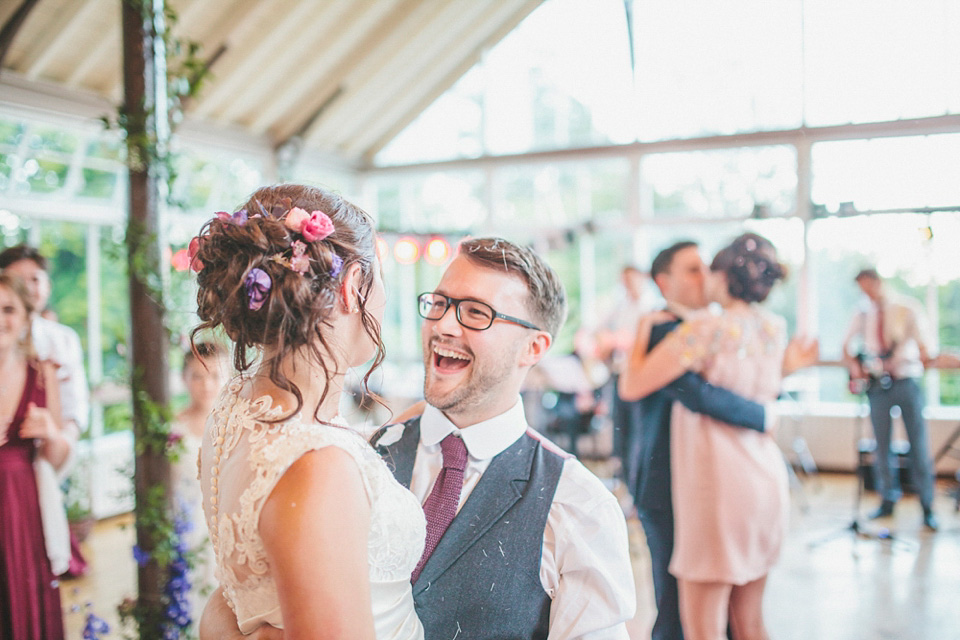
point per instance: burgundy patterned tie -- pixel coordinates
(441, 504)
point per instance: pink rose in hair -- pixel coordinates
(192, 250)
(295, 219)
(317, 227)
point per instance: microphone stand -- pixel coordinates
(859, 531)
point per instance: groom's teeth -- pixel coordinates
(446, 353)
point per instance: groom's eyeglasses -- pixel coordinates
(472, 314)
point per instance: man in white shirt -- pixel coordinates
(533, 545)
(892, 335)
(492, 317)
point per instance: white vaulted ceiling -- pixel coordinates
(345, 76)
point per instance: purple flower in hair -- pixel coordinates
(336, 264)
(238, 218)
(257, 286)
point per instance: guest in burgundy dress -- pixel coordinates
(29, 592)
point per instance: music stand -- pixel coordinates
(855, 528)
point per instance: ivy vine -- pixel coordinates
(159, 523)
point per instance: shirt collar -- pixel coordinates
(678, 310)
(483, 440)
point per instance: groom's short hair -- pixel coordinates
(548, 301)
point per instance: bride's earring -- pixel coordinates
(356, 308)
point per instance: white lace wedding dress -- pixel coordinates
(242, 459)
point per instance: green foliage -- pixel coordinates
(157, 534)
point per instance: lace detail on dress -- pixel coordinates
(750, 333)
(244, 458)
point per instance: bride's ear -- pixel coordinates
(350, 297)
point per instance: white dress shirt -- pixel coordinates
(61, 345)
(904, 330)
(585, 563)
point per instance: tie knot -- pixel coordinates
(454, 452)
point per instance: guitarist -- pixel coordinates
(889, 367)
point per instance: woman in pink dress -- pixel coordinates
(730, 493)
(29, 591)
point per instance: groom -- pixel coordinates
(522, 540)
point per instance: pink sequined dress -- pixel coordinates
(730, 491)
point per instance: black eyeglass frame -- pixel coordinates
(455, 303)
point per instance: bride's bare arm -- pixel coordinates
(218, 623)
(646, 372)
(314, 527)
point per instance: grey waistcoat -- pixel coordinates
(483, 580)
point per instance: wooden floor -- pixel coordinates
(830, 584)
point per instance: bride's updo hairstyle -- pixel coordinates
(751, 266)
(270, 273)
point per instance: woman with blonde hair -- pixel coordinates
(30, 435)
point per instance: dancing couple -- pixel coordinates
(459, 523)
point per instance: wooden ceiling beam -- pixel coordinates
(367, 146)
(443, 44)
(408, 46)
(248, 28)
(309, 89)
(71, 19)
(374, 38)
(106, 55)
(13, 25)
(213, 23)
(300, 48)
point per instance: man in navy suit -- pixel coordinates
(678, 272)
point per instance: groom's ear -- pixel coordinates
(537, 347)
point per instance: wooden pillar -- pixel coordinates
(144, 80)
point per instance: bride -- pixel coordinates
(311, 532)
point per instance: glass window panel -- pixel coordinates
(874, 60)
(238, 178)
(564, 257)
(12, 228)
(64, 244)
(560, 79)
(543, 197)
(911, 251)
(887, 173)
(114, 307)
(613, 250)
(11, 132)
(43, 139)
(720, 184)
(195, 182)
(449, 128)
(46, 176)
(439, 201)
(608, 188)
(97, 183)
(8, 162)
(539, 88)
(106, 147)
(707, 68)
